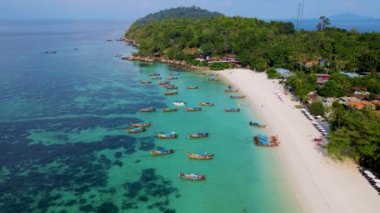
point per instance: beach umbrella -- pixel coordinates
(371, 176)
(378, 185)
(376, 180)
(368, 172)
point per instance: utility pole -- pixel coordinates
(299, 14)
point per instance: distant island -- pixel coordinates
(317, 60)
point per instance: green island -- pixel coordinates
(198, 39)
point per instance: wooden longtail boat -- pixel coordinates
(156, 77)
(171, 135)
(171, 87)
(193, 109)
(164, 83)
(237, 96)
(232, 110)
(136, 130)
(173, 92)
(231, 90)
(255, 124)
(206, 104)
(199, 135)
(263, 140)
(145, 82)
(141, 124)
(192, 87)
(161, 152)
(169, 110)
(191, 176)
(154, 74)
(173, 78)
(174, 73)
(148, 109)
(203, 156)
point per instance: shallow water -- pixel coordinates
(63, 145)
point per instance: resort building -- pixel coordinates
(322, 78)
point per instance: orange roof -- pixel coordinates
(358, 104)
(376, 102)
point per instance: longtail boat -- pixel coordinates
(203, 156)
(156, 77)
(231, 90)
(145, 82)
(148, 109)
(213, 79)
(174, 73)
(255, 124)
(154, 74)
(237, 96)
(263, 140)
(136, 130)
(172, 92)
(193, 109)
(141, 124)
(171, 135)
(191, 176)
(199, 135)
(192, 87)
(169, 109)
(232, 109)
(170, 86)
(161, 152)
(173, 78)
(179, 103)
(206, 104)
(164, 83)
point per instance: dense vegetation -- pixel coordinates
(356, 135)
(258, 44)
(339, 85)
(176, 13)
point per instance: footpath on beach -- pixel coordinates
(320, 183)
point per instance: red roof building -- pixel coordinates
(322, 78)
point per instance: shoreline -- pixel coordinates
(319, 183)
(152, 59)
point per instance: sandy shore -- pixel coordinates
(319, 183)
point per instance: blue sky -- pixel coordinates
(132, 9)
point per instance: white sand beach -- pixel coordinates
(319, 183)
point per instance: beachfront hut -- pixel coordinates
(284, 72)
(350, 74)
(322, 78)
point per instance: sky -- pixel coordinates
(133, 9)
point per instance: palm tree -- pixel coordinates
(323, 23)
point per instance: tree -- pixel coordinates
(324, 22)
(272, 74)
(355, 135)
(317, 108)
(330, 89)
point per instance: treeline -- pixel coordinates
(258, 44)
(339, 85)
(355, 134)
(176, 13)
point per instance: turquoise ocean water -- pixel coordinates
(63, 145)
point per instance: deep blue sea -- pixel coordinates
(359, 25)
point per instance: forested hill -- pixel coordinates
(257, 43)
(175, 13)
